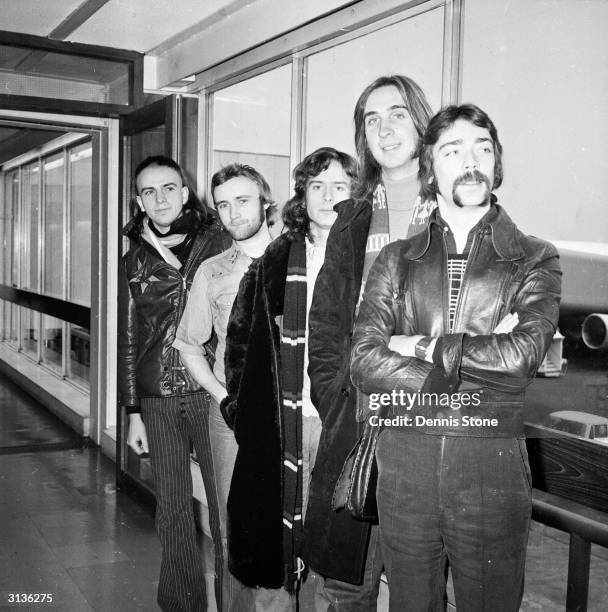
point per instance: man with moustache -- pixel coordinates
(390, 117)
(448, 490)
(171, 234)
(242, 200)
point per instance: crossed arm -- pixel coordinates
(505, 359)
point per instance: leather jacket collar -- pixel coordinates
(505, 236)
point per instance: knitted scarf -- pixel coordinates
(378, 235)
(292, 377)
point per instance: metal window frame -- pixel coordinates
(132, 59)
(296, 47)
(104, 253)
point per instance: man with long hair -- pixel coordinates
(268, 402)
(460, 318)
(390, 117)
(171, 233)
(242, 199)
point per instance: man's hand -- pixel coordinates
(404, 345)
(137, 438)
(199, 369)
(507, 324)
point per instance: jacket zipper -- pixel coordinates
(441, 455)
(446, 286)
(183, 275)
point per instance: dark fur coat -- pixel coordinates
(252, 409)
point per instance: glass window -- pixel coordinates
(337, 76)
(547, 96)
(12, 323)
(11, 190)
(30, 332)
(13, 228)
(80, 224)
(251, 125)
(27, 72)
(52, 344)
(53, 225)
(4, 318)
(80, 355)
(30, 225)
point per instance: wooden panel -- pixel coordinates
(568, 466)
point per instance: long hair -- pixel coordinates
(203, 216)
(417, 106)
(442, 121)
(236, 170)
(295, 216)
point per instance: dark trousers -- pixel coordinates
(460, 500)
(346, 597)
(171, 425)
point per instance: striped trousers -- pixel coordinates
(172, 424)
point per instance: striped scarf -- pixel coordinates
(292, 378)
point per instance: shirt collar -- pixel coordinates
(506, 239)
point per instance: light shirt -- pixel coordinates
(213, 291)
(315, 255)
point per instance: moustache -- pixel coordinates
(470, 176)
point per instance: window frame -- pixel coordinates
(295, 48)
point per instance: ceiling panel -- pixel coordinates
(141, 25)
(39, 17)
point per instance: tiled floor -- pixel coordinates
(65, 530)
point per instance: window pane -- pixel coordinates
(29, 234)
(80, 222)
(10, 186)
(539, 69)
(13, 336)
(60, 75)
(52, 342)
(251, 125)
(80, 355)
(14, 251)
(30, 332)
(337, 76)
(53, 225)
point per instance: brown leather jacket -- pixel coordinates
(407, 293)
(151, 299)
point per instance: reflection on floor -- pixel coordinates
(66, 531)
(25, 426)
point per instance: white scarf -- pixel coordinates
(162, 244)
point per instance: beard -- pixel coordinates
(469, 177)
(243, 231)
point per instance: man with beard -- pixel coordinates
(268, 404)
(454, 480)
(242, 199)
(172, 233)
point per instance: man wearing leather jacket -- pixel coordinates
(171, 233)
(453, 325)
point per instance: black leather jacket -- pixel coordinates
(407, 293)
(151, 299)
